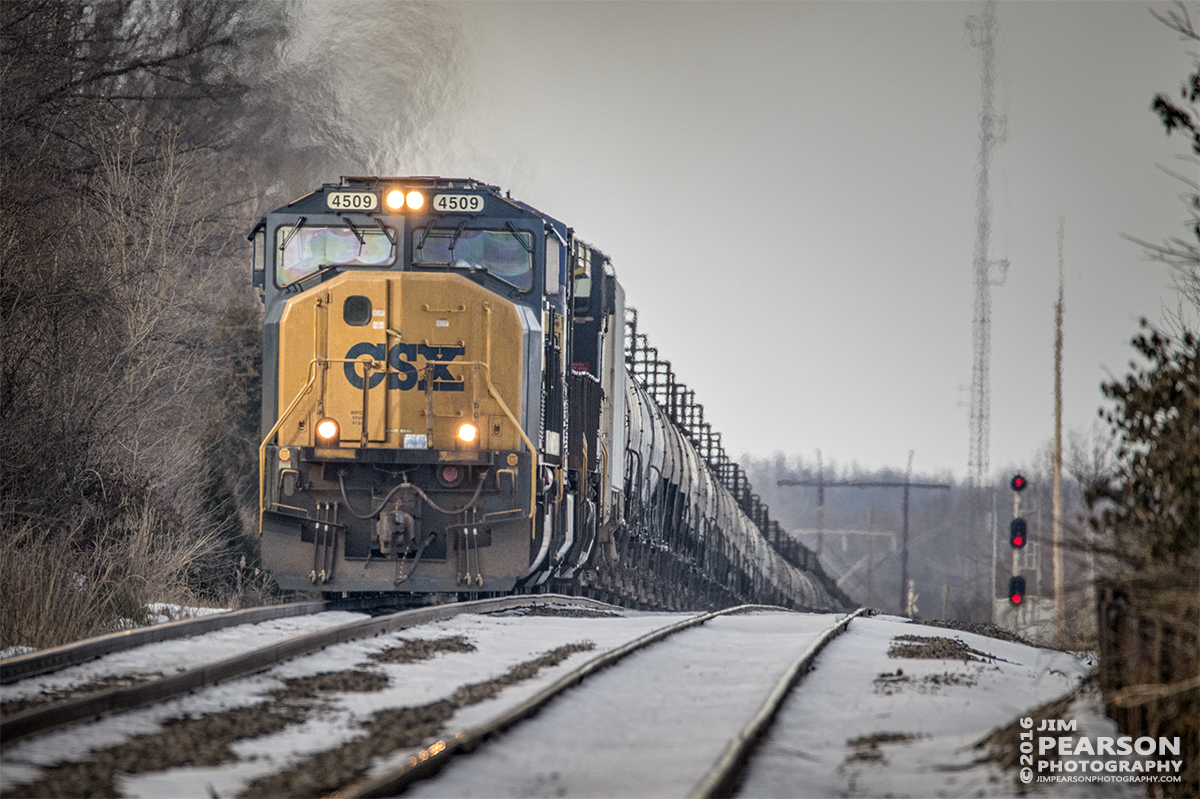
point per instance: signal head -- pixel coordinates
(1016, 590)
(1018, 483)
(1016, 533)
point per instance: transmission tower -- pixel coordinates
(982, 30)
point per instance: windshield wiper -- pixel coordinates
(457, 233)
(513, 229)
(296, 284)
(424, 234)
(299, 224)
(387, 232)
(354, 229)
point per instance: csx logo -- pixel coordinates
(402, 359)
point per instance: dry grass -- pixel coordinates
(54, 589)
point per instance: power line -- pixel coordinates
(907, 484)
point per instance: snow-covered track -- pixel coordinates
(437, 755)
(45, 661)
(885, 708)
(39, 720)
(722, 779)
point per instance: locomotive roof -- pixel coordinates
(426, 182)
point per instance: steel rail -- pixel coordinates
(37, 721)
(721, 780)
(45, 661)
(437, 755)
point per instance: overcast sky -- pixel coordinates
(787, 193)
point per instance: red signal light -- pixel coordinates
(1016, 533)
(1018, 483)
(1016, 590)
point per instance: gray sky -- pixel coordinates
(787, 192)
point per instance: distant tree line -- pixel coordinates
(950, 555)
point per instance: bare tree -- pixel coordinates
(112, 257)
(1182, 254)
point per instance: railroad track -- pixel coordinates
(45, 661)
(406, 743)
(720, 779)
(91, 705)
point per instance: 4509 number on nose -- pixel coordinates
(461, 203)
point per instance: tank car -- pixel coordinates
(451, 405)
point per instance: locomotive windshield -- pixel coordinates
(305, 249)
(506, 254)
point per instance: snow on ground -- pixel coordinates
(848, 730)
(701, 688)
(168, 657)
(13, 651)
(651, 725)
(501, 642)
(162, 612)
(156, 613)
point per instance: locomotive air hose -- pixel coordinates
(399, 578)
(470, 504)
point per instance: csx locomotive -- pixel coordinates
(451, 405)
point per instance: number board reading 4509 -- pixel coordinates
(462, 203)
(352, 200)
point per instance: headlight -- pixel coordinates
(327, 431)
(398, 199)
(467, 433)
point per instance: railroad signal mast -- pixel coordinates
(1017, 537)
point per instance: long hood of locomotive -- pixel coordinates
(400, 360)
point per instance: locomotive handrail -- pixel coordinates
(312, 378)
(262, 448)
(487, 377)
